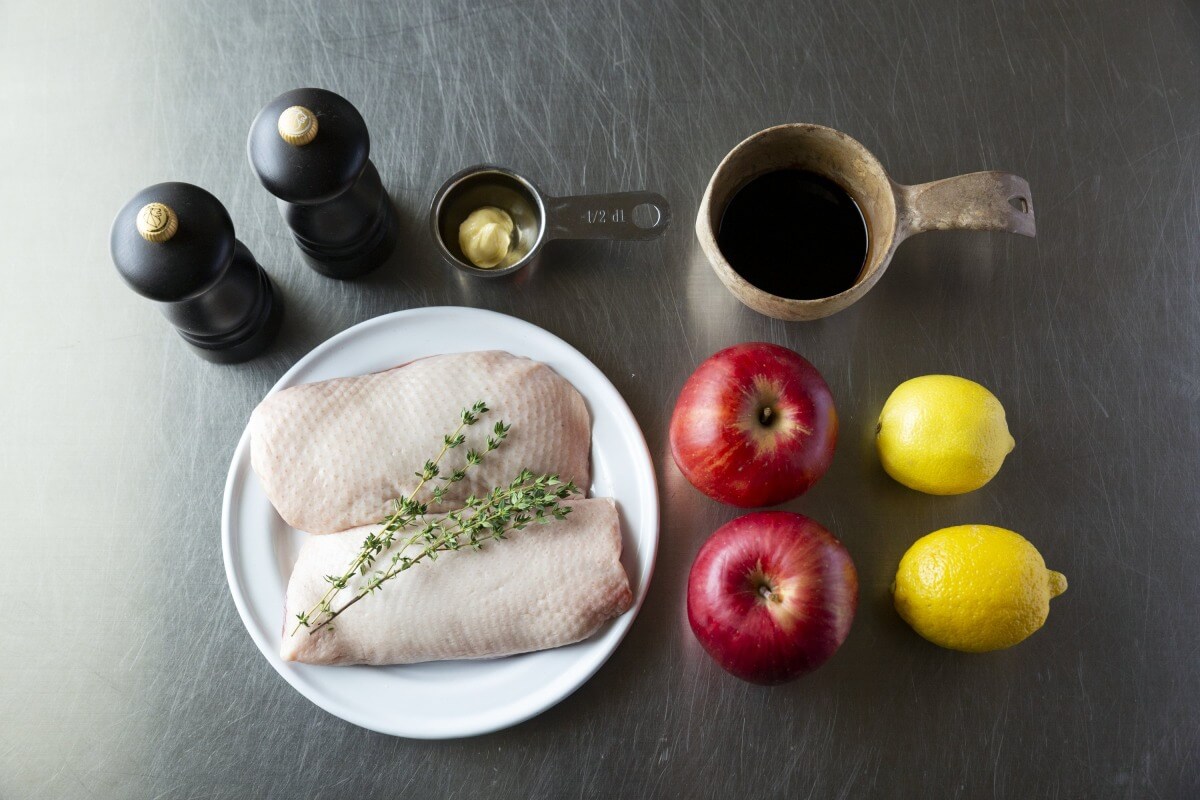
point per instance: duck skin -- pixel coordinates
(333, 455)
(541, 587)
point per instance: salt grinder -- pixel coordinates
(310, 148)
(174, 243)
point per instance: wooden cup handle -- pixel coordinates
(979, 201)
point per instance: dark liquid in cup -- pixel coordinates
(795, 234)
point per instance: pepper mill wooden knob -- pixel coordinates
(174, 243)
(310, 148)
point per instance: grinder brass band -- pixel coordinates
(156, 222)
(297, 125)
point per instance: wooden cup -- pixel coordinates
(981, 201)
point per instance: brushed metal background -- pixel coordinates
(124, 669)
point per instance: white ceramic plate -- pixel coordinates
(448, 698)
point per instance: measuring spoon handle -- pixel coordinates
(621, 215)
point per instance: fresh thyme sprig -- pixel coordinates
(407, 510)
(529, 499)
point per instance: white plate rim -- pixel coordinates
(591, 659)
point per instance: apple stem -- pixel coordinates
(768, 593)
(765, 414)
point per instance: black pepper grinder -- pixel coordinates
(174, 243)
(310, 148)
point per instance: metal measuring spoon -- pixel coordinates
(538, 218)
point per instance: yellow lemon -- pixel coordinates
(975, 588)
(942, 434)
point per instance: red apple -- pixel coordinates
(754, 426)
(771, 596)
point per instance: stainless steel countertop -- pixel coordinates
(125, 671)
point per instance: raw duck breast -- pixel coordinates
(335, 454)
(541, 587)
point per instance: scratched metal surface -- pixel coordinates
(124, 669)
